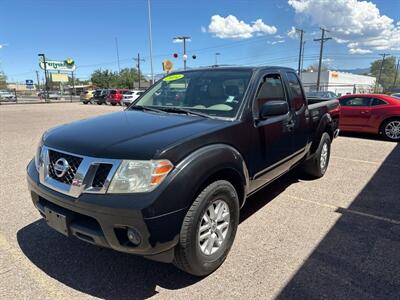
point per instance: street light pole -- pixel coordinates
(45, 74)
(184, 39)
(151, 42)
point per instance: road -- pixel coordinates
(337, 237)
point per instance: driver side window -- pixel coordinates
(271, 89)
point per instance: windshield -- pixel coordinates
(213, 92)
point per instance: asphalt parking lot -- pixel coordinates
(337, 237)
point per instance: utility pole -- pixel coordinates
(138, 60)
(216, 58)
(380, 70)
(184, 39)
(151, 42)
(397, 71)
(37, 79)
(302, 58)
(323, 39)
(116, 47)
(301, 31)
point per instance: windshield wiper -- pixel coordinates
(174, 109)
(142, 107)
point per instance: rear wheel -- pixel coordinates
(84, 102)
(208, 229)
(318, 164)
(113, 104)
(391, 130)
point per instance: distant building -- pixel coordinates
(341, 83)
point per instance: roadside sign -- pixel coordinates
(58, 65)
(167, 65)
(29, 82)
(56, 77)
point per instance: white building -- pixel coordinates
(341, 83)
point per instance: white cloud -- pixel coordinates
(359, 24)
(275, 42)
(3, 45)
(359, 51)
(292, 33)
(203, 29)
(231, 28)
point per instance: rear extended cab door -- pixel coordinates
(300, 114)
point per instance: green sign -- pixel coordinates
(173, 77)
(58, 65)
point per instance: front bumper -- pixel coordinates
(103, 219)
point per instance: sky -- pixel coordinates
(244, 32)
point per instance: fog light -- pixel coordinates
(134, 236)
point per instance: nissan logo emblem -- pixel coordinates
(61, 167)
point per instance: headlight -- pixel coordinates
(135, 176)
(38, 155)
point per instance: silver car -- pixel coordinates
(131, 96)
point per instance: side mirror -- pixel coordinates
(274, 108)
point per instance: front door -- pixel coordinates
(355, 113)
(272, 137)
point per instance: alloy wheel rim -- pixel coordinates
(392, 130)
(324, 156)
(214, 226)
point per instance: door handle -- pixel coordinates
(290, 124)
(364, 112)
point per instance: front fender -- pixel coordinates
(183, 183)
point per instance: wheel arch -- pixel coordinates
(387, 119)
(325, 125)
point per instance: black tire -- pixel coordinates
(85, 102)
(384, 127)
(313, 166)
(113, 104)
(99, 103)
(188, 255)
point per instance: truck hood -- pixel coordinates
(128, 134)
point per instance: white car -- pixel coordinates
(4, 95)
(131, 96)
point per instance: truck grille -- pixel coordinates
(101, 175)
(73, 162)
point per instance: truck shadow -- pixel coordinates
(359, 258)
(108, 274)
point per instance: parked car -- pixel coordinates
(131, 96)
(371, 113)
(167, 181)
(7, 96)
(50, 95)
(100, 95)
(87, 96)
(396, 95)
(115, 96)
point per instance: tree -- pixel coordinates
(109, 79)
(388, 72)
(314, 68)
(3, 80)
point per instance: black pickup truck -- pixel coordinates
(166, 178)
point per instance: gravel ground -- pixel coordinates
(337, 237)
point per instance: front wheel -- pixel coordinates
(391, 130)
(318, 164)
(208, 230)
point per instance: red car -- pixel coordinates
(371, 113)
(115, 96)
